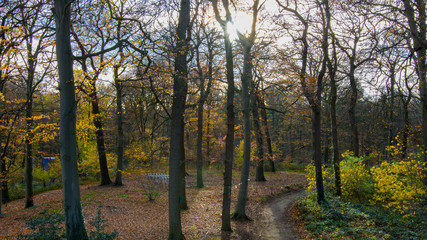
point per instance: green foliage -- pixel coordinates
(99, 224)
(356, 182)
(341, 219)
(47, 226)
(290, 167)
(396, 185)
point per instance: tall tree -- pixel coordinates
(356, 31)
(74, 222)
(246, 43)
(210, 37)
(415, 13)
(177, 122)
(88, 61)
(229, 140)
(312, 85)
(36, 27)
(332, 69)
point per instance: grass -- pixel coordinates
(340, 219)
(17, 190)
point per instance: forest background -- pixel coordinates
(358, 67)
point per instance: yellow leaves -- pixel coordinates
(398, 184)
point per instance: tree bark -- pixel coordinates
(267, 134)
(120, 135)
(259, 174)
(99, 132)
(336, 156)
(240, 211)
(74, 222)
(178, 108)
(29, 202)
(199, 143)
(418, 28)
(352, 110)
(182, 173)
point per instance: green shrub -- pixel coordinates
(47, 226)
(346, 220)
(356, 182)
(99, 224)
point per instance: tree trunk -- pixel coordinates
(99, 132)
(327, 137)
(199, 143)
(229, 140)
(182, 173)
(418, 28)
(391, 107)
(3, 183)
(405, 134)
(267, 134)
(178, 108)
(74, 222)
(28, 146)
(334, 130)
(352, 113)
(259, 175)
(120, 135)
(316, 128)
(240, 212)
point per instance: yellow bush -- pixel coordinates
(398, 185)
(327, 174)
(356, 182)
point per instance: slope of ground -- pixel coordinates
(129, 211)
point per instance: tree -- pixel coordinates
(209, 36)
(246, 43)
(332, 69)
(177, 126)
(415, 13)
(74, 222)
(312, 85)
(229, 140)
(355, 31)
(36, 29)
(91, 71)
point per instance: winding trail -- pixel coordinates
(276, 221)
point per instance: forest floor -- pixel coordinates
(133, 216)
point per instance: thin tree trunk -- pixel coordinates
(99, 132)
(74, 222)
(259, 174)
(267, 134)
(199, 143)
(208, 138)
(120, 135)
(182, 173)
(336, 156)
(391, 107)
(3, 184)
(178, 108)
(352, 113)
(29, 202)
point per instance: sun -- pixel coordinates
(242, 23)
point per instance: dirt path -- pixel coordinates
(276, 221)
